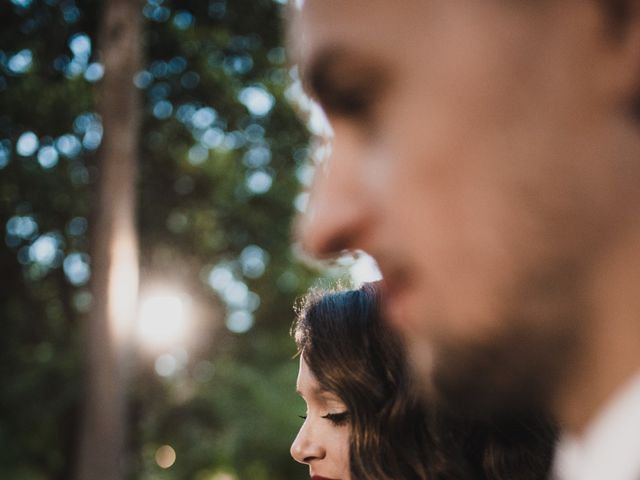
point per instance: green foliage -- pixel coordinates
(215, 178)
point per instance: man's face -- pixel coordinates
(472, 157)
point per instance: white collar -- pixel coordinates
(610, 447)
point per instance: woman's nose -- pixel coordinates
(305, 448)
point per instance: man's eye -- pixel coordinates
(348, 104)
(337, 418)
(303, 417)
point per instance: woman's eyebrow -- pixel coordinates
(327, 397)
(314, 391)
(319, 393)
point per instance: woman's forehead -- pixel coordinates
(309, 388)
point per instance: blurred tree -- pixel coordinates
(221, 156)
(114, 247)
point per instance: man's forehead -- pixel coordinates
(346, 34)
(358, 24)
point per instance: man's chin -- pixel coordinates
(484, 379)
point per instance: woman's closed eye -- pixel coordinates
(337, 419)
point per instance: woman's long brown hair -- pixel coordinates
(394, 436)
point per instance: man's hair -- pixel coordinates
(394, 435)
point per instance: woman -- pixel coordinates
(364, 420)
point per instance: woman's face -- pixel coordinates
(323, 440)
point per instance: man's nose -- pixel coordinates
(304, 448)
(336, 215)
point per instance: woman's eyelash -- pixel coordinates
(337, 418)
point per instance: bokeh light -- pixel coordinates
(235, 293)
(156, 13)
(240, 321)
(220, 276)
(22, 226)
(80, 45)
(256, 157)
(77, 226)
(165, 456)
(45, 249)
(224, 476)
(203, 117)
(22, 3)
(254, 261)
(94, 72)
(20, 62)
(301, 201)
(164, 319)
(76, 268)
(27, 144)
(240, 301)
(190, 80)
(68, 145)
(259, 182)
(197, 154)
(212, 137)
(182, 20)
(70, 12)
(5, 154)
(143, 79)
(48, 157)
(305, 174)
(237, 64)
(89, 126)
(257, 100)
(166, 365)
(162, 109)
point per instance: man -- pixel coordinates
(487, 154)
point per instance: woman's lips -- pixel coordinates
(318, 477)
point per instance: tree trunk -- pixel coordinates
(114, 252)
